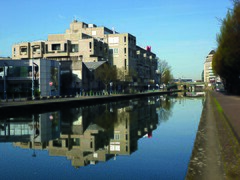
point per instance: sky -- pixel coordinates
(179, 32)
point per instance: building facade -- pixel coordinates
(25, 77)
(209, 76)
(84, 42)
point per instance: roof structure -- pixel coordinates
(94, 65)
(212, 52)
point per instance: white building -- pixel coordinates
(209, 76)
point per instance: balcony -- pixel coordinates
(56, 54)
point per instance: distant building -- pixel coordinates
(5, 58)
(84, 42)
(209, 76)
(183, 80)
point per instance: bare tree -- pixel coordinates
(123, 75)
(164, 71)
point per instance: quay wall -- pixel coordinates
(47, 105)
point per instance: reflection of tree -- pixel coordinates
(107, 119)
(54, 77)
(165, 109)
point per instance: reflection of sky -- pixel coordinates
(167, 153)
(164, 156)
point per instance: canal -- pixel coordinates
(147, 138)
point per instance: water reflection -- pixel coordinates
(88, 135)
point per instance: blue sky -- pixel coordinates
(180, 32)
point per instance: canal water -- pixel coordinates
(148, 138)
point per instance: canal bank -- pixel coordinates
(52, 103)
(216, 152)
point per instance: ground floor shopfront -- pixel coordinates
(26, 78)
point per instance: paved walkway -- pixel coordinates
(231, 108)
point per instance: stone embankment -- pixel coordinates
(50, 104)
(216, 153)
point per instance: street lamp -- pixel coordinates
(33, 64)
(33, 136)
(4, 74)
(111, 84)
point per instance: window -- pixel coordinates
(125, 64)
(115, 50)
(19, 71)
(117, 136)
(65, 47)
(125, 38)
(113, 40)
(110, 51)
(94, 33)
(74, 48)
(95, 155)
(90, 45)
(36, 49)
(55, 47)
(57, 143)
(114, 147)
(76, 141)
(125, 50)
(24, 49)
(46, 48)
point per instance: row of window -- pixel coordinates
(18, 71)
(57, 47)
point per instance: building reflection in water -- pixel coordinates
(88, 135)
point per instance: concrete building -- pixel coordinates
(209, 76)
(84, 42)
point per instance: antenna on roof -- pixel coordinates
(75, 19)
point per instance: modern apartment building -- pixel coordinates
(208, 71)
(84, 42)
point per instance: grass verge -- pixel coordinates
(230, 148)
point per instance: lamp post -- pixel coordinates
(33, 137)
(33, 64)
(59, 79)
(111, 84)
(4, 74)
